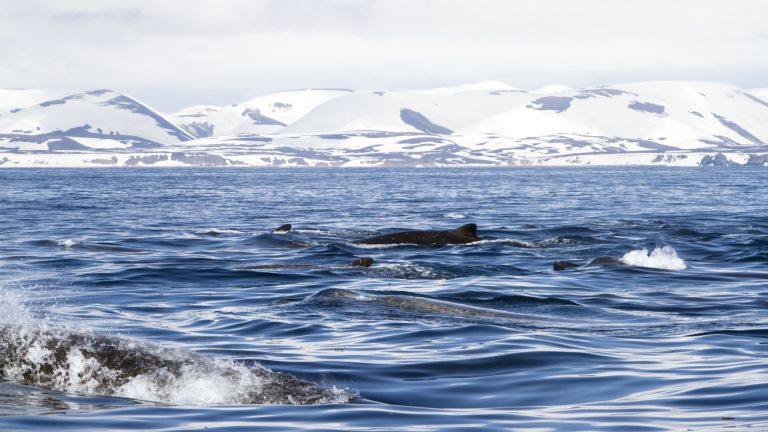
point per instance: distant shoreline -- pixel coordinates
(176, 159)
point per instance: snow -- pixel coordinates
(97, 112)
(283, 108)
(382, 112)
(551, 89)
(483, 86)
(11, 99)
(762, 93)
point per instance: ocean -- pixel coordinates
(162, 299)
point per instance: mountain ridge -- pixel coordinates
(483, 124)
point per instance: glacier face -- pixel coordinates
(483, 124)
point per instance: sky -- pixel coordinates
(172, 54)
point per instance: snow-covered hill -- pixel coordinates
(683, 115)
(98, 119)
(262, 115)
(488, 123)
(15, 99)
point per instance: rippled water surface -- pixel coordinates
(161, 299)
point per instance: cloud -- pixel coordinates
(222, 51)
(119, 15)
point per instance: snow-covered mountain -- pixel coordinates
(683, 115)
(488, 123)
(262, 115)
(36, 120)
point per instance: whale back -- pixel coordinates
(564, 265)
(603, 261)
(463, 234)
(362, 262)
(467, 230)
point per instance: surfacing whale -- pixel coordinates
(416, 305)
(603, 261)
(283, 228)
(108, 366)
(461, 235)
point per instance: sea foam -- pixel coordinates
(37, 352)
(87, 363)
(68, 243)
(661, 258)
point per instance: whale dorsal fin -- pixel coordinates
(284, 228)
(468, 230)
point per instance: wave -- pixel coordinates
(516, 300)
(216, 232)
(409, 271)
(506, 242)
(274, 240)
(568, 240)
(455, 215)
(661, 258)
(84, 363)
(757, 333)
(72, 244)
(547, 243)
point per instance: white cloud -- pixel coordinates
(174, 53)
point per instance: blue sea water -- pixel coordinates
(174, 266)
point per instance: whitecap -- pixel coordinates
(381, 246)
(506, 242)
(217, 231)
(84, 363)
(68, 243)
(661, 258)
(409, 271)
(455, 215)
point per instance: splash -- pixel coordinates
(13, 308)
(42, 353)
(68, 243)
(85, 363)
(661, 258)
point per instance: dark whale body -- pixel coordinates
(603, 261)
(461, 235)
(114, 362)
